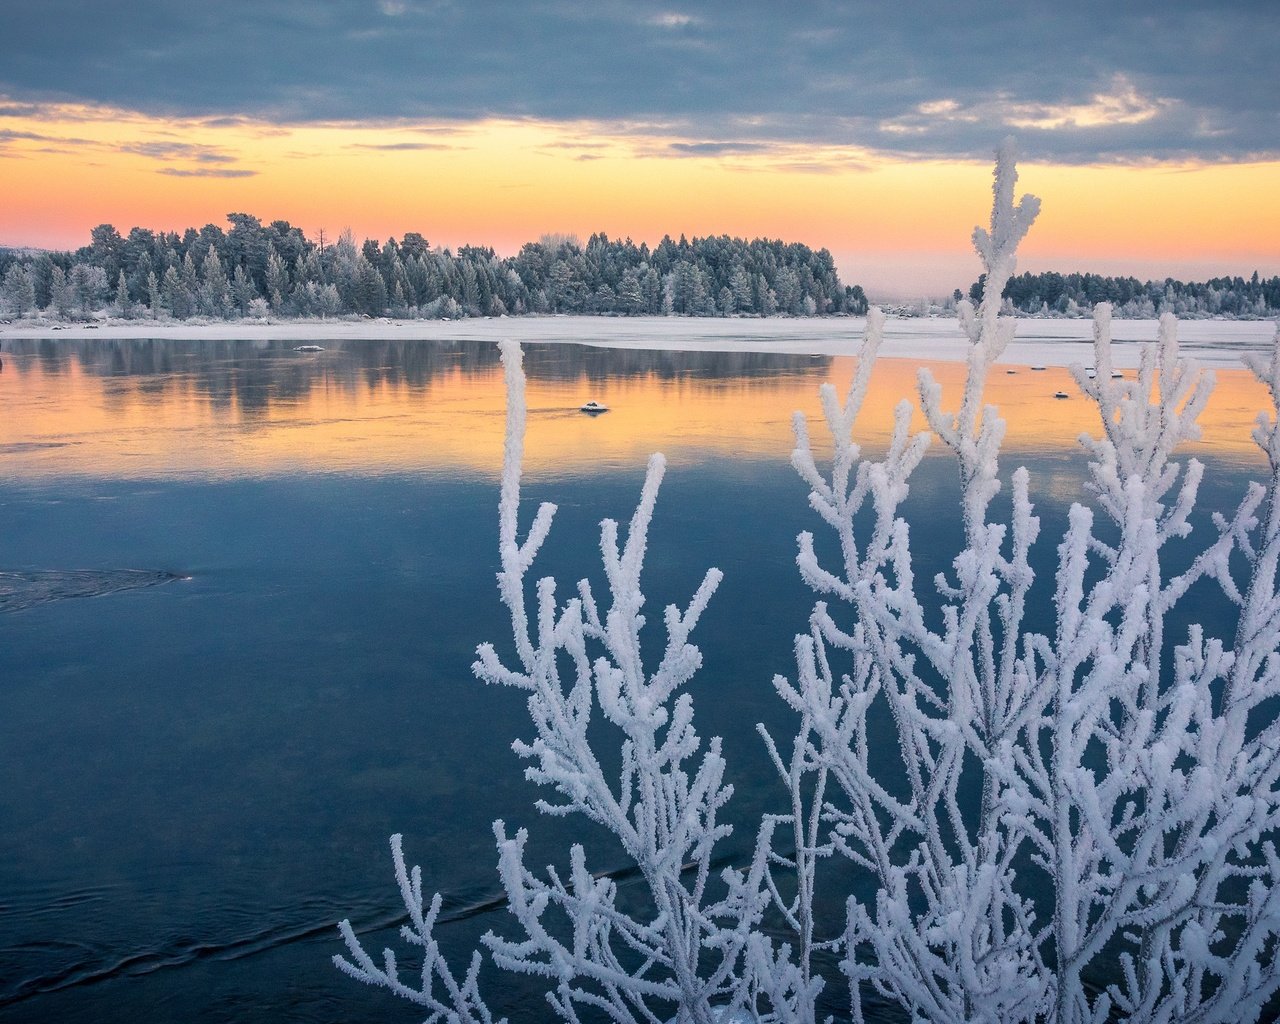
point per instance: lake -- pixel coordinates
(240, 592)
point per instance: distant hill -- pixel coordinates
(21, 252)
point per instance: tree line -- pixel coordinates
(1077, 294)
(260, 270)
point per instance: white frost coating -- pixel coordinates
(698, 955)
(1072, 788)
(1121, 790)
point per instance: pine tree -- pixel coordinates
(740, 283)
(214, 290)
(41, 271)
(277, 280)
(18, 293)
(470, 288)
(61, 295)
(243, 290)
(369, 294)
(560, 278)
(88, 285)
(630, 299)
(176, 296)
(328, 301)
(188, 276)
(153, 294)
(651, 291)
(124, 307)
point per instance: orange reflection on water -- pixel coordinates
(287, 416)
(1038, 421)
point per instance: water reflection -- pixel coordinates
(235, 409)
(246, 369)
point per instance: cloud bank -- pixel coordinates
(1078, 82)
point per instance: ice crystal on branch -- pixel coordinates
(1122, 793)
(697, 951)
(1074, 788)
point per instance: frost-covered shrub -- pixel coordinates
(442, 308)
(1075, 786)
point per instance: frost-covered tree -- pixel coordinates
(1123, 803)
(630, 298)
(17, 293)
(277, 280)
(214, 294)
(698, 947)
(368, 291)
(243, 290)
(88, 285)
(61, 295)
(154, 300)
(740, 285)
(123, 304)
(327, 302)
(1074, 786)
(175, 296)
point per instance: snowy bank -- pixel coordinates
(1038, 341)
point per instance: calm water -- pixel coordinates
(200, 765)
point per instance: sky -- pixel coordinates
(1151, 130)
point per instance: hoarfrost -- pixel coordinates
(1126, 782)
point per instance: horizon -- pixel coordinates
(1154, 148)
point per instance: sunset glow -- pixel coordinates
(893, 224)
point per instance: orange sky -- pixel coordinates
(895, 226)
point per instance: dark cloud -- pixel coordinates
(9, 135)
(394, 146)
(715, 148)
(19, 110)
(1084, 81)
(206, 172)
(164, 150)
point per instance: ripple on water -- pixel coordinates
(26, 589)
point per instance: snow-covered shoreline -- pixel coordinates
(1038, 341)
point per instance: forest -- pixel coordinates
(273, 270)
(1051, 293)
